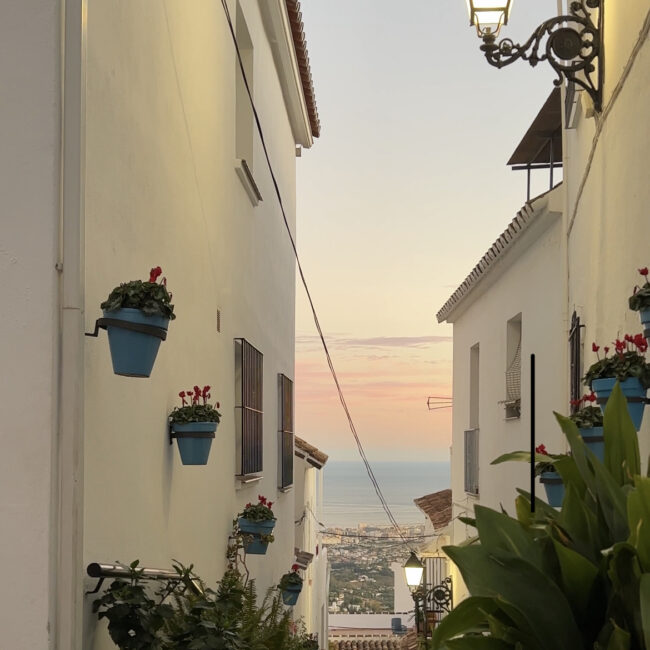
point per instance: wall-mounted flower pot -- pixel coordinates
(554, 487)
(194, 441)
(135, 344)
(290, 594)
(645, 321)
(593, 437)
(633, 391)
(254, 531)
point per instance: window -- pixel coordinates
(471, 461)
(285, 432)
(473, 386)
(249, 403)
(575, 355)
(513, 367)
(244, 120)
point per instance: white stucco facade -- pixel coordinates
(121, 155)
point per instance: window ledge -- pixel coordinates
(246, 479)
(284, 490)
(246, 177)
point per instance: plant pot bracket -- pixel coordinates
(152, 330)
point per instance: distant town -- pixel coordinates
(362, 580)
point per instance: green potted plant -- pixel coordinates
(291, 586)
(640, 301)
(194, 424)
(628, 366)
(549, 476)
(589, 420)
(256, 523)
(136, 317)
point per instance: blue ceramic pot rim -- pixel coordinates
(293, 588)
(267, 524)
(607, 383)
(550, 477)
(194, 426)
(138, 316)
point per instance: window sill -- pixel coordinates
(246, 177)
(284, 490)
(247, 479)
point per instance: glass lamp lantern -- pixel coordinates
(413, 570)
(488, 15)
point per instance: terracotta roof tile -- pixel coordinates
(437, 507)
(300, 44)
(304, 450)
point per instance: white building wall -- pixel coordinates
(30, 115)
(606, 171)
(162, 190)
(528, 280)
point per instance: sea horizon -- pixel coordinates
(349, 497)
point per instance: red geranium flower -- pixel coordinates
(295, 568)
(541, 449)
(155, 273)
(594, 347)
(644, 271)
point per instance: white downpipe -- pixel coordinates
(67, 489)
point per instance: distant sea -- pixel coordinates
(350, 499)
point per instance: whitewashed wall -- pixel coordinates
(527, 280)
(606, 173)
(30, 114)
(162, 190)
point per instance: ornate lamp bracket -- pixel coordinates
(572, 44)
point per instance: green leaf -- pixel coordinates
(499, 532)
(638, 512)
(619, 640)
(624, 572)
(578, 578)
(468, 616)
(581, 524)
(599, 483)
(524, 587)
(644, 600)
(621, 442)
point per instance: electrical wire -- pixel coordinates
(258, 124)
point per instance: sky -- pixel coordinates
(398, 199)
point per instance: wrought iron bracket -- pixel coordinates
(152, 330)
(572, 45)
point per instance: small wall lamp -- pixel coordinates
(413, 570)
(572, 44)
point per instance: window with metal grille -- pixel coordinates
(285, 432)
(249, 403)
(513, 368)
(575, 354)
(471, 461)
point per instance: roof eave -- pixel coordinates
(277, 23)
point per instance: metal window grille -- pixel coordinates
(471, 461)
(249, 380)
(575, 352)
(285, 434)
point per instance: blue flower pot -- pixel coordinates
(593, 437)
(133, 353)
(253, 544)
(554, 487)
(633, 391)
(194, 441)
(290, 594)
(645, 321)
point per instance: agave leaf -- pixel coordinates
(621, 442)
(524, 587)
(644, 599)
(638, 512)
(470, 615)
(499, 532)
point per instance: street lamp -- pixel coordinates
(572, 44)
(413, 570)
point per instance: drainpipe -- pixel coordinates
(66, 559)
